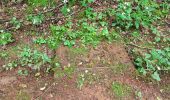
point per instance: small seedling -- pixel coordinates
(80, 81)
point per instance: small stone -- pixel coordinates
(43, 88)
(37, 74)
(23, 85)
(86, 71)
(80, 63)
(161, 90)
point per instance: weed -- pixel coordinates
(10, 65)
(87, 77)
(61, 34)
(28, 58)
(4, 55)
(23, 72)
(80, 81)
(153, 62)
(33, 58)
(119, 68)
(5, 38)
(37, 2)
(86, 2)
(120, 90)
(90, 14)
(65, 10)
(61, 72)
(40, 40)
(142, 14)
(16, 23)
(138, 95)
(36, 20)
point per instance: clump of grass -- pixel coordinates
(23, 96)
(119, 68)
(120, 90)
(78, 51)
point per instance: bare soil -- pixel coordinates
(106, 63)
(14, 87)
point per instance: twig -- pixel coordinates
(138, 46)
(54, 18)
(3, 21)
(44, 91)
(49, 10)
(95, 68)
(168, 23)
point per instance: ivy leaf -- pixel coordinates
(142, 70)
(64, 10)
(105, 32)
(155, 76)
(155, 54)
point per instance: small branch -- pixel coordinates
(3, 21)
(95, 68)
(49, 10)
(44, 91)
(62, 17)
(132, 44)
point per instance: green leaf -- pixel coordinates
(64, 10)
(142, 70)
(155, 76)
(105, 32)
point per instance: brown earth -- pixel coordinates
(14, 87)
(107, 63)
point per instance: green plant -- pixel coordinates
(38, 2)
(36, 20)
(153, 62)
(23, 72)
(88, 34)
(4, 55)
(138, 95)
(80, 81)
(61, 34)
(61, 71)
(120, 90)
(65, 10)
(89, 13)
(136, 14)
(40, 40)
(28, 58)
(15, 23)
(10, 65)
(5, 38)
(86, 2)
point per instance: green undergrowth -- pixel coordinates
(129, 21)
